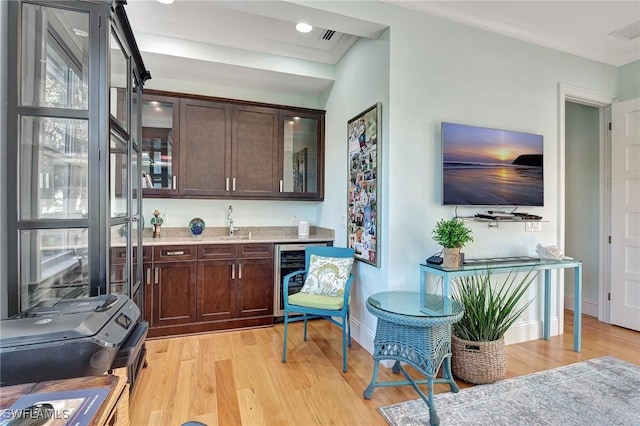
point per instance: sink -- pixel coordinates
(232, 237)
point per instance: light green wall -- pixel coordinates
(444, 71)
(582, 157)
(362, 81)
(629, 81)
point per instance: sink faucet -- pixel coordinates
(230, 220)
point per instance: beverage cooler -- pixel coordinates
(289, 258)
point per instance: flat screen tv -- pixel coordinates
(491, 167)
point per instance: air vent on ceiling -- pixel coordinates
(629, 32)
(327, 35)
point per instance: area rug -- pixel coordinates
(601, 391)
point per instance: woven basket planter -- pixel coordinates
(478, 362)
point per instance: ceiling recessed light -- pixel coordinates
(303, 28)
(165, 1)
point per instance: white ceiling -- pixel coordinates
(254, 45)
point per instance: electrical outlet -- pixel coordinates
(165, 218)
(533, 226)
(343, 221)
(294, 219)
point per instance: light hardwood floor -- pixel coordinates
(237, 377)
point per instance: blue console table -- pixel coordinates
(517, 264)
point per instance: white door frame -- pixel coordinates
(602, 101)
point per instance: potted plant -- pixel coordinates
(452, 235)
(490, 308)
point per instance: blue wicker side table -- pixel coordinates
(414, 328)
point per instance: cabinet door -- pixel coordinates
(301, 157)
(205, 137)
(216, 289)
(174, 285)
(255, 287)
(160, 145)
(147, 292)
(255, 152)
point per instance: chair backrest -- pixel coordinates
(326, 251)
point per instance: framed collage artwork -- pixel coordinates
(363, 138)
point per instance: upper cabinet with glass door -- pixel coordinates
(160, 148)
(302, 157)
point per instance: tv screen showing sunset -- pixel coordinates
(491, 167)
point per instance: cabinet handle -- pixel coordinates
(155, 279)
(280, 185)
(234, 185)
(233, 272)
(175, 253)
(175, 183)
(240, 271)
(148, 276)
(226, 186)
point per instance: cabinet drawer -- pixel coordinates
(217, 251)
(174, 253)
(255, 250)
(119, 254)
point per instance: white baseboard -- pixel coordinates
(589, 306)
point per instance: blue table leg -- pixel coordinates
(446, 291)
(368, 392)
(577, 308)
(546, 333)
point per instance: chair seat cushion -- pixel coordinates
(317, 301)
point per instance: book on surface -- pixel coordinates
(65, 408)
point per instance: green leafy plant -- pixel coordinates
(489, 308)
(451, 233)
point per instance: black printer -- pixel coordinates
(70, 338)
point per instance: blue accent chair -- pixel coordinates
(312, 306)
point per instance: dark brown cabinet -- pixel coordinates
(160, 145)
(174, 285)
(254, 171)
(205, 137)
(235, 281)
(198, 288)
(301, 155)
(231, 149)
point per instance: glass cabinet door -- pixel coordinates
(54, 58)
(301, 139)
(159, 151)
(119, 170)
(53, 265)
(54, 168)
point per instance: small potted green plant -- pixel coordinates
(452, 235)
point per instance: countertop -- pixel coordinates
(260, 234)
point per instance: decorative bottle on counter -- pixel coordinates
(156, 221)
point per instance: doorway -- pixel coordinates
(582, 201)
(583, 193)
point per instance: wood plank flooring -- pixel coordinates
(237, 378)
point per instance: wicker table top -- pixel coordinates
(414, 308)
